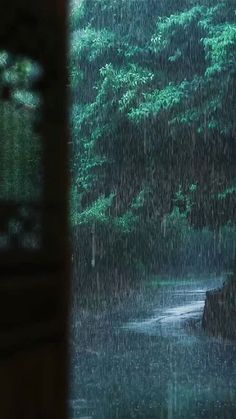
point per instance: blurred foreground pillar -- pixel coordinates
(34, 253)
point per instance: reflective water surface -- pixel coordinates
(148, 358)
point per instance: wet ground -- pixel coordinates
(148, 358)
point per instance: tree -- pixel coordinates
(153, 99)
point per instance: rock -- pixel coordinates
(219, 316)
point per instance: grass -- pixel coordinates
(156, 281)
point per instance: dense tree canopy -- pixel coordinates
(153, 121)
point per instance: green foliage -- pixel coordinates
(18, 75)
(91, 44)
(20, 152)
(127, 222)
(168, 99)
(170, 28)
(20, 146)
(96, 213)
(205, 52)
(153, 107)
(227, 192)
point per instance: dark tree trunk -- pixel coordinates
(219, 317)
